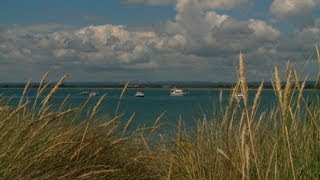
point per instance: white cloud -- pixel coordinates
(208, 4)
(106, 45)
(263, 31)
(197, 43)
(297, 12)
(63, 53)
(226, 4)
(206, 30)
(285, 7)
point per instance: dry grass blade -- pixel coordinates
(301, 89)
(297, 82)
(64, 102)
(95, 109)
(220, 101)
(121, 95)
(256, 101)
(158, 119)
(82, 140)
(119, 140)
(170, 171)
(287, 92)
(234, 94)
(57, 115)
(16, 111)
(24, 93)
(109, 122)
(145, 143)
(228, 109)
(245, 93)
(270, 161)
(52, 92)
(80, 110)
(44, 78)
(290, 154)
(42, 85)
(112, 130)
(318, 56)
(94, 174)
(277, 86)
(26, 143)
(220, 151)
(128, 124)
(247, 159)
(243, 78)
(41, 89)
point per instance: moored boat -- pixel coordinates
(92, 93)
(139, 94)
(177, 92)
(238, 96)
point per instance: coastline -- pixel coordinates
(145, 88)
(156, 85)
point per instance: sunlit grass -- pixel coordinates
(240, 142)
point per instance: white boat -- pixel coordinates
(139, 94)
(92, 93)
(238, 96)
(177, 92)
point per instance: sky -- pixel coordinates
(156, 40)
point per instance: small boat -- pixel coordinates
(139, 94)
(92, 93)
(238, 96)
(177, 92)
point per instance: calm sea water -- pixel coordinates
(197, 105)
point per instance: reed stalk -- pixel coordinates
(243, 141)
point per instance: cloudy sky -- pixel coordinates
(156, 40)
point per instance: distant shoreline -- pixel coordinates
(154, 88)
(155, 85)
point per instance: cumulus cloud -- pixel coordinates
(263, 31)
(297, 12)
(198, 42)
(105, 45)
(225, 4)
(210, 34)
(210, 4)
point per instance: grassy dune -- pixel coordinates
(42, 142)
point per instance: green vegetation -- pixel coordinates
(41, 142)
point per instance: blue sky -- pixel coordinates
(82, 12)
(154, 40)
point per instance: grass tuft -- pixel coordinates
(242, 141)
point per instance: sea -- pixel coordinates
(199, 104)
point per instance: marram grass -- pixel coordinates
(240, 142)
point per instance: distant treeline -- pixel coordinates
(171, 84)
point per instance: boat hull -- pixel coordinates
(139, 94)
(176, 94)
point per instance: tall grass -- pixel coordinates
(242, 141)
